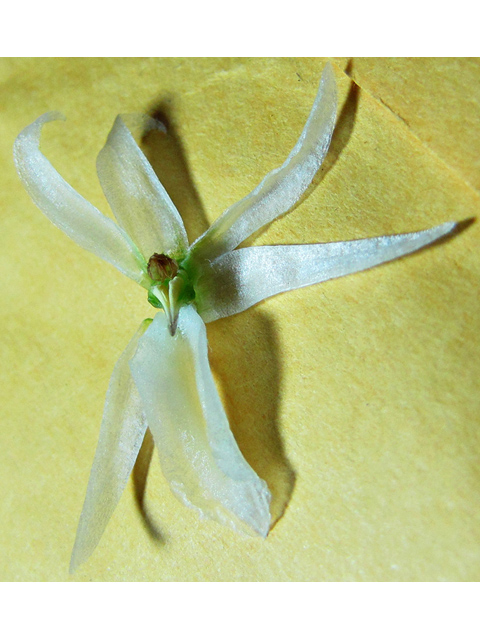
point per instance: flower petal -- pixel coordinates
(138, 199)
(198, 453)
(68, 210)
(121, 436)
(241, 278)
(282, 187)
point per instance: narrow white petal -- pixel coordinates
(240, 279)
(121, 436)
(198, 453)
(282, 187)
(68, 210)
(138, 199)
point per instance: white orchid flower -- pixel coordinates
(163, 379)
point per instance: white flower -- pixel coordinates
(163, 377)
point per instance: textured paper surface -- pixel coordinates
(363, 390)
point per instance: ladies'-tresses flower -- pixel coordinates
(163, 379)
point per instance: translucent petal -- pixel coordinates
(121, 436)
(282, 187)
(140, 203)
(241, 278)
(198, 453)
(68, 210)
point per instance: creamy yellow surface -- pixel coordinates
(362, 391)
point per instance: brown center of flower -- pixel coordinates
(161, 267)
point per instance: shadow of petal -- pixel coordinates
(344, 126)
(139, 477)
(166, 154)
(244, 357)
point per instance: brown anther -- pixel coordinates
(161, 267)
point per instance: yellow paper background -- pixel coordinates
(364, 390)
